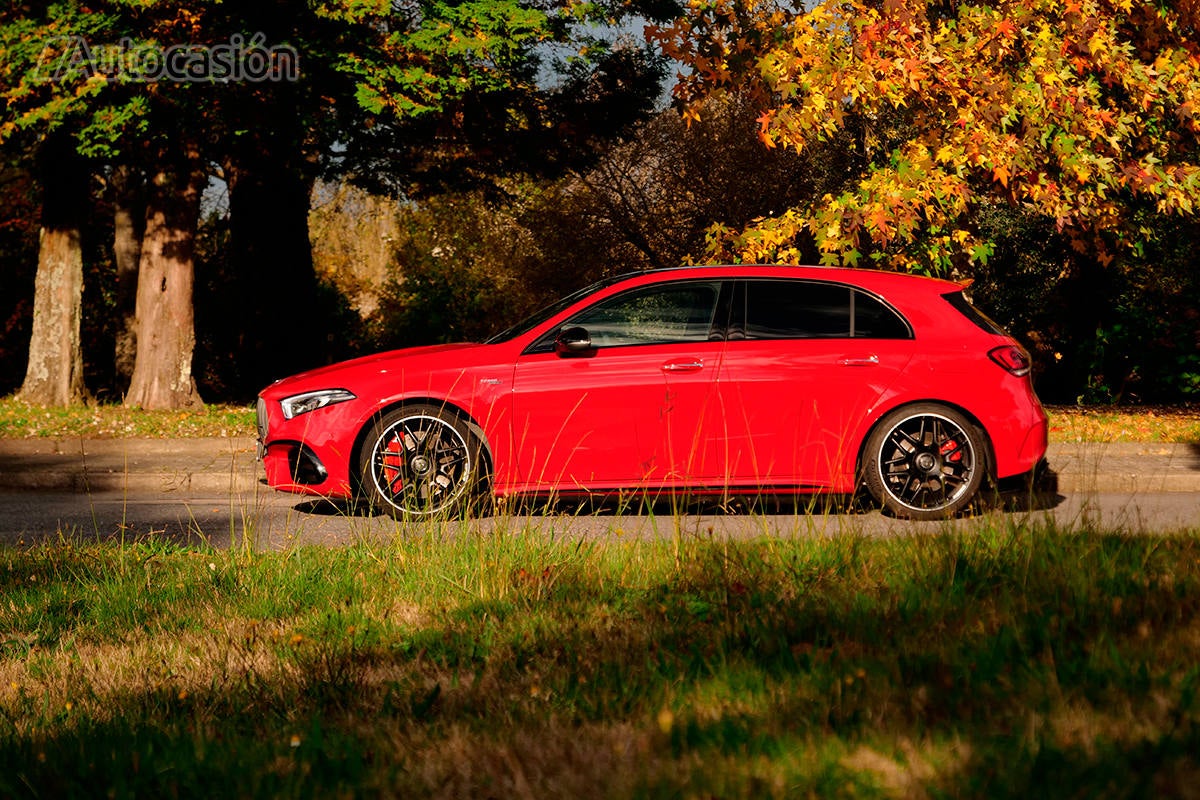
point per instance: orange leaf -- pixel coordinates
(764, 123)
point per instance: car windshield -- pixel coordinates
(529, 323)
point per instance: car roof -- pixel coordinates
(871, 279)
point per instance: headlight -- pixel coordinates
(299, 404)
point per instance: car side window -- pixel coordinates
(796, 310)
(682, 311)
(790, 309)
(677, 312)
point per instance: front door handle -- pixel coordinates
(694, 365)
(860, 361)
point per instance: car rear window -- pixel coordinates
(963, 306)
(874, 320)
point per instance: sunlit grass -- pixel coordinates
(1018, 660)
(23, 421)
(1165, 424)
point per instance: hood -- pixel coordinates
(355, 369)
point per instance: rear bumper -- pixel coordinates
(1032, 451)
(1019, 432)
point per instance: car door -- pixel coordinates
(806, 361)
(628, 409)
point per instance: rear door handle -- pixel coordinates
(860, 361)
(694, 365)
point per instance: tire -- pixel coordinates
(421, 461)
(925, 462)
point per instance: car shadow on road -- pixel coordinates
(612, 505)
(1012, 498)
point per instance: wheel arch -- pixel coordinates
(360, 438)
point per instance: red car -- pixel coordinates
(702, 380)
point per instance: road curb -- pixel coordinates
(1131, 468)
(193, 466)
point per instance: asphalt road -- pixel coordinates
(210, 491)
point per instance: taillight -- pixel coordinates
(1012, 358)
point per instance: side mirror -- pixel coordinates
(573, 341)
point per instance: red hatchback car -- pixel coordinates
(702, 380)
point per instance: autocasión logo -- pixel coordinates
(240, 59)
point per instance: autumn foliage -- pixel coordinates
(1078, 110)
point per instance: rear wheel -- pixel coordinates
(421, 461)
(925, 461)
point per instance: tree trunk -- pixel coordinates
(272, 257)
(54, 376)
(166, 336)
(270, 183)
(129, 223)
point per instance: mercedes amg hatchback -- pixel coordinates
(697, 381)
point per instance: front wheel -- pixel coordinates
(421, 461)
(925, 462)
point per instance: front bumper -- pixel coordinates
(309, 454)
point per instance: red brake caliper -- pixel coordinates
(393, 460)
(951, 451)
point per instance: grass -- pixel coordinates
(1125, 424)
(23, 421)
(1021, 661)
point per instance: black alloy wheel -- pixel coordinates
(421, 461)
(925, 461)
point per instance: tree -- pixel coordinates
(84, 105)
(19, 225)
(165, 322)
(469, 264)
(54, 370)
(54, 375)
(649, 201)
(453, 79)
(129, 226)
(1075, 110)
